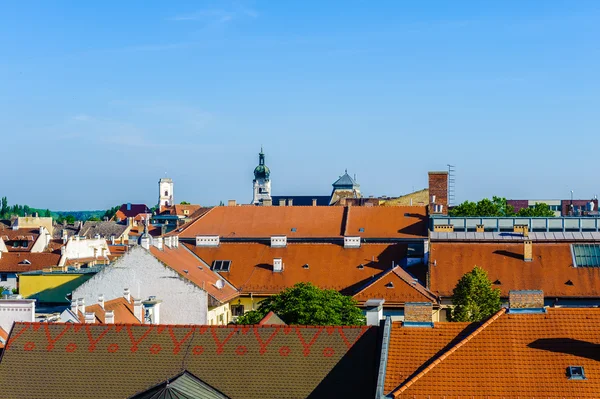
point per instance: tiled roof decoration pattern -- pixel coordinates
(121, 360)
(549, 271)
(513, 355)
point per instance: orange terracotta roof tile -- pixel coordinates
(191, 268)
(514, 355)
(3, 337)
(387, 222)
(123, 311)
(397, 287)
(551, 269)
(266, 221)
(328, 266)
(17, 262)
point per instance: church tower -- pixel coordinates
(262, 181)
(165, 192)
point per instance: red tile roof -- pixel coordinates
(266, 221)
(123, 311)
(387, 221)
(15, 261)
(191, 268)
(270, 361)
(3, 337)
(328, 266)
(396, 286)
(509, 356)
(551, 269)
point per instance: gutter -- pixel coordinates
(385, 344)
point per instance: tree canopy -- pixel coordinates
(474, 298)
(498, 207)
(306, 304)
(184, 203)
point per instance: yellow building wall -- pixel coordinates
(219, 316)
(50, 287)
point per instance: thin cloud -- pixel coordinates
(217, 16)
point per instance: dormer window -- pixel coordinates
(576, 373)
(15, 244)
(24, 244)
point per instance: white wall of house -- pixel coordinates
(12, 310)
(183, 302)
(42, 241)
(81, 248)
(8, 280)
(219, 315)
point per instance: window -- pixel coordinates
(3, 277)
(166, 193)
(221, 265)
(237, 310)
(15, 244)
(361, 230)
(24, 244)
(586, 255)
(575, 373)
(293, 229)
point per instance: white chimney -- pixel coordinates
(101, 301)
(168, 242)
(374, 310)
(175, 242)
(109, 317)
(63, 249)
(90, 317)
(207, 241)
(158, 242)
(138, 310)
(127, 294)
(152, 309)
(112, 239)
(74, 306)
(81, 305)
(277, 265)
(351, 242)
(278, 241)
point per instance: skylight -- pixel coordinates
(221, 265)
(361, 230)
(576, 373)
(293, 229)
(586, 255)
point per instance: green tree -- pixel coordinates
(4, 209)
(47, 213)
(496, 207)
(184, 203)
(539, 210)
(93, 219)
(111, 212)
(474, 298)
(306, 304)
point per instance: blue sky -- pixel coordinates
(98, 101)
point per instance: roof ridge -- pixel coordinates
(450, 351)
(189, 224)
(404, 274)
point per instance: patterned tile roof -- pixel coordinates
(509, 356)
(551, 269)
(239, 361)
(328, 266)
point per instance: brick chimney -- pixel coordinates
(480, 228)
(438, 193)
(374, 310)
(526, 301)
(418, 314)
(528, 251)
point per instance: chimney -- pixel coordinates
(282, 202)
(90, 317)
(277, 265)
(267, 202)
(374, 310)
(314, 202)
(138, 310)
(418, 314)
(74, 306)
(521, 228)
(291, 202)
(231, 203)
(109, 317)
(528, 251)
(81, 305)
(438, 192)
(480, 228)
(63, 250)
(101, 301)
(526, 301)
(112, 239)
(443, 228)
(127, 295)
(65, 236)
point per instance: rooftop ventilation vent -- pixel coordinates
(361, 266)
(305, 266)
(389, 285)
(576, 373)
(497, 282)
(569, 282)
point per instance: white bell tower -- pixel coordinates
(165, 192)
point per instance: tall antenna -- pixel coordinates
(451, 184)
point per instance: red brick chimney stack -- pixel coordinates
(438, 193)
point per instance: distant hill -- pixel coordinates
(78, 215)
